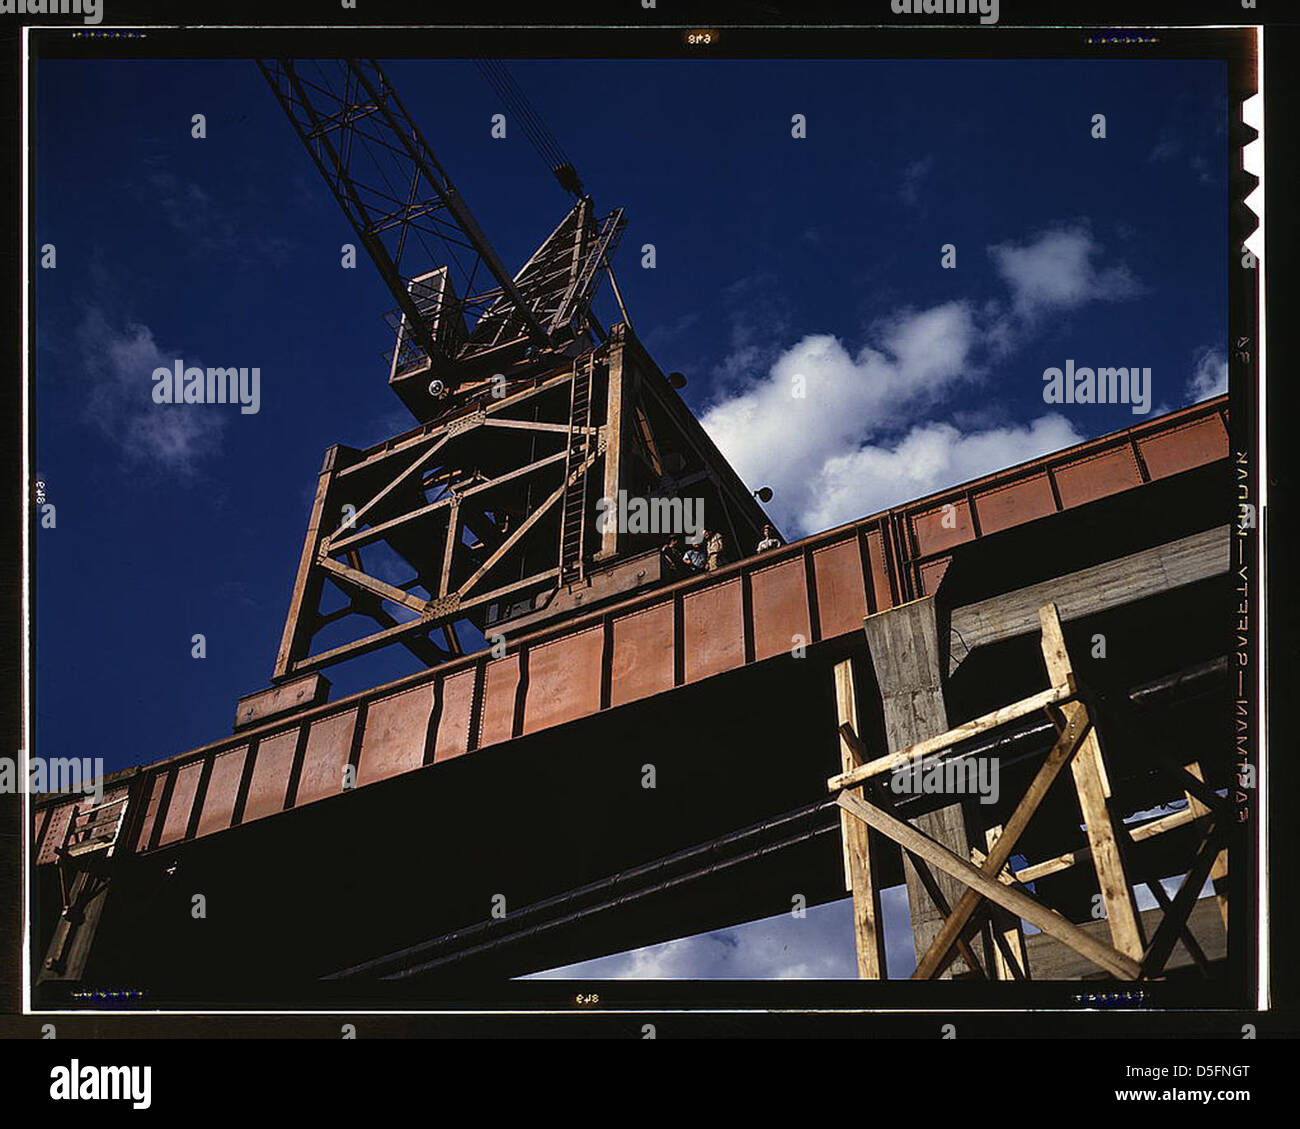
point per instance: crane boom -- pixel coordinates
(459, 309)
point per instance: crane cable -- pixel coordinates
(513, 96)
(516, 102)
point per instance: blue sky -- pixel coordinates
(776, 257)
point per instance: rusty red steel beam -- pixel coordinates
(759, 607)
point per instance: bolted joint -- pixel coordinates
(444, 605)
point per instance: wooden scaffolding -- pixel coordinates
(993, 899)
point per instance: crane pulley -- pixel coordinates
(516, 102)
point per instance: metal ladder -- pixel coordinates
(573, 521)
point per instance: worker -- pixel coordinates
(714, 547)
(770, 540)
(674, 556)
(694, 553)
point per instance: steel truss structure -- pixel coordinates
(493, 515)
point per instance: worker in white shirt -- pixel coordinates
(714, 547)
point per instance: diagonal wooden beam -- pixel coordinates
(945, 741)
(536, 425)
(922, 869)
(416, 464)
(1077, 727)
(369, 584)
(449, 548)
(454, 647)
(1188, 938)
(516, 398)
(1050, 922)
(524, 527)
(1092, 787)
(648, 439)
(1219, 871)
(423, 649)
(1198, 793)
(1160, 826)
(512, 540)
(376, 532)
(962, 947)
(1175, 919)
(1011, 961)
(402, 444)
(373, 642)
(1153, 884)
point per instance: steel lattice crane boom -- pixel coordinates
(493, 512)
(461, 316)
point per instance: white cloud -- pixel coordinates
(844, 449)
(1055, 271)
(913, 176)
(930, 457)
(773, 436)
(818, 946)
(120, 363)
(815, 451)
(1209, 377)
